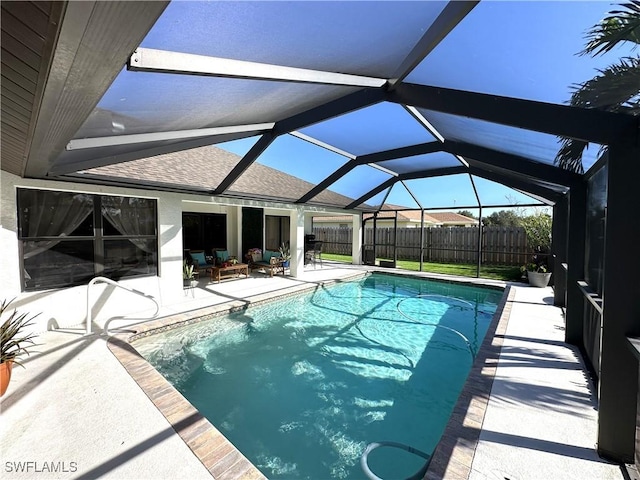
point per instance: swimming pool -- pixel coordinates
(302, 385)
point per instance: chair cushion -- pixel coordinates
(222, 255)
(199, 256)
(269, 254)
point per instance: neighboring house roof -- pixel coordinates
(411, 216)
(452, 217)
(406, 216)
(441, 218)
(332, 219)
(206, 167)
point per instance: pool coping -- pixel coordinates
(453, 454)
(218, 455)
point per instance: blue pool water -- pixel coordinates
(303, 384)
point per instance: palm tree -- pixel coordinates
(614, 89)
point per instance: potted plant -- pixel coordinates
(188, 276)
(285, 253)
(254, 254)
(13, 342)
(537, 274)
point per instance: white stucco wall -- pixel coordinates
(66, 307)
(206, 206)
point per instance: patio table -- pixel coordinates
(237, 269)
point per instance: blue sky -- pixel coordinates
(521, 49)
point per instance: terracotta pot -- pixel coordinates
(5, 376)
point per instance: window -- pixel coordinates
(276, 232)
(595, 228)
(68, 238)
(204, 231)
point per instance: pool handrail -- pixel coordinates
(128, 289)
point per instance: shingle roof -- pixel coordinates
(388, 211)
(452, 217)
(206, 167)
(406, 216)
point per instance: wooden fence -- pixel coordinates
(500, 245)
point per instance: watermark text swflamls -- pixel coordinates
(30, 466)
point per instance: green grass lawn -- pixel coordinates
(495, 272)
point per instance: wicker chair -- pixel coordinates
(273, 264)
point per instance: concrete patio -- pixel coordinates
(541, 418)
(75, 412)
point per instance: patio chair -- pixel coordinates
(316, 253)
(269, 261)
(200, 264)
(220, 256)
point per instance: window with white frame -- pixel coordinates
(67, 238)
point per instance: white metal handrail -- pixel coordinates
(115, 284)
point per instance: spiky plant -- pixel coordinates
(614, 89)
(187, 271)
(13, 339)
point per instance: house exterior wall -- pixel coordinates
(233, 234)
(67, 307)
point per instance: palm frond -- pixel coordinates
(619, 26)
(569, 157)
(615, 89)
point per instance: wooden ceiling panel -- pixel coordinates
(25, 26)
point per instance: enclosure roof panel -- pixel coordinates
(358, 182)
(369, 38)
(188, 102)
(386, 92)
(529, 144)
(379, 127)
(421, 162)
(533, 55)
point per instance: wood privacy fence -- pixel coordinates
(500, 245)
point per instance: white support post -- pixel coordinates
(356, 240)
(238, 245)
(296, 241)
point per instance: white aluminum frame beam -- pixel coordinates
(383, 169)
(333, 149)
(462, 160)
(326, 146)
(83, 143)
(415, 113)
(165, 61)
